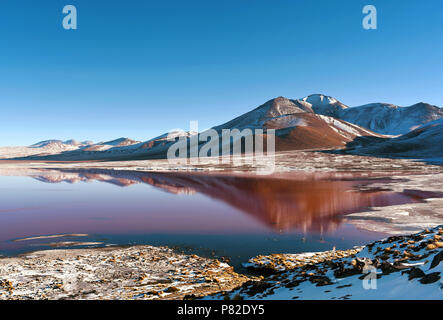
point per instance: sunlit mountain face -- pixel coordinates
(123, 207)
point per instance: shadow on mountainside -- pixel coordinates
(408, 146)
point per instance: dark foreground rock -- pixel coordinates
(399, 267)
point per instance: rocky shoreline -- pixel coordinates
(398, 267)
(136, 272)
(404, 267)
(279, 262)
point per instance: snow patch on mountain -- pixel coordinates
(424, 142)
(120, 142)
(324, 105)
(383, 118)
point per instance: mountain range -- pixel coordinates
(315, 122)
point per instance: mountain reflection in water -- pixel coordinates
(307, 202)
(214, 214)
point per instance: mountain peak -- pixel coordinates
(44, 143)
(323, 104)
(424, 105)
(72, 142)
(318, 99)
(60, 143)
(282, 106)
(120, 142)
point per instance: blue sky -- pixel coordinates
(140, 68)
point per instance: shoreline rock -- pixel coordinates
(275, 263)
(136, 272)
(405, 267)
(398, 267)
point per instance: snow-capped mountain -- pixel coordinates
(120, 142)
(314, 122)
(42, 148)
(60, 143)
(324, 105)
(389, 119)
(383, 118)
(297, 125)
(42, 144)
(424, 142)
(118, 149)
(102, 146)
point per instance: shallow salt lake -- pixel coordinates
(215, 215)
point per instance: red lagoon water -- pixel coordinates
(232, 215)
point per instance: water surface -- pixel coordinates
(238, 216)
